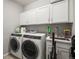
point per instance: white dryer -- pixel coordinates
(33, 46)
(15, 45)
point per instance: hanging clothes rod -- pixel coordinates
(56, 1)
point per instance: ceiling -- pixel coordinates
(24, 2)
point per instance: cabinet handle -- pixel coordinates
(48, 56)
(57, 1)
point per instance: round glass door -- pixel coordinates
(14, 44)
(29, 49)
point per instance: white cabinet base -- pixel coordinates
(62, 49)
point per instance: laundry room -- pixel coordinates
(38, 29)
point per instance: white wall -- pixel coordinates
(11, 17)
(36, 4)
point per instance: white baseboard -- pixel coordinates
(5, 54)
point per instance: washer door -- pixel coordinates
(14, 44)
(29, 49)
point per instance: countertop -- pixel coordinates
(60, 40)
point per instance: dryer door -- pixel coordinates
(14, 44)
(29, 49)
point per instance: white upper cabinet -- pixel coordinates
(35, 16)
(42, 15)
(59, 12)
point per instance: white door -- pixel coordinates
(24, 18)
(42, 15)
(64, 53)
(59, 12)
(31, 16)
(28, 17)
(72, 11)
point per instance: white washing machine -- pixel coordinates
(33, 46)
(15, 45)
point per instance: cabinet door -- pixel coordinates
(72, 11)
(28, 18)
(64, 53)
(42, 15)
(48, 48)
(31, 17)
(24, 19)
(59, 12)
(58, 53)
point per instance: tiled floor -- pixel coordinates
(10, 57)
